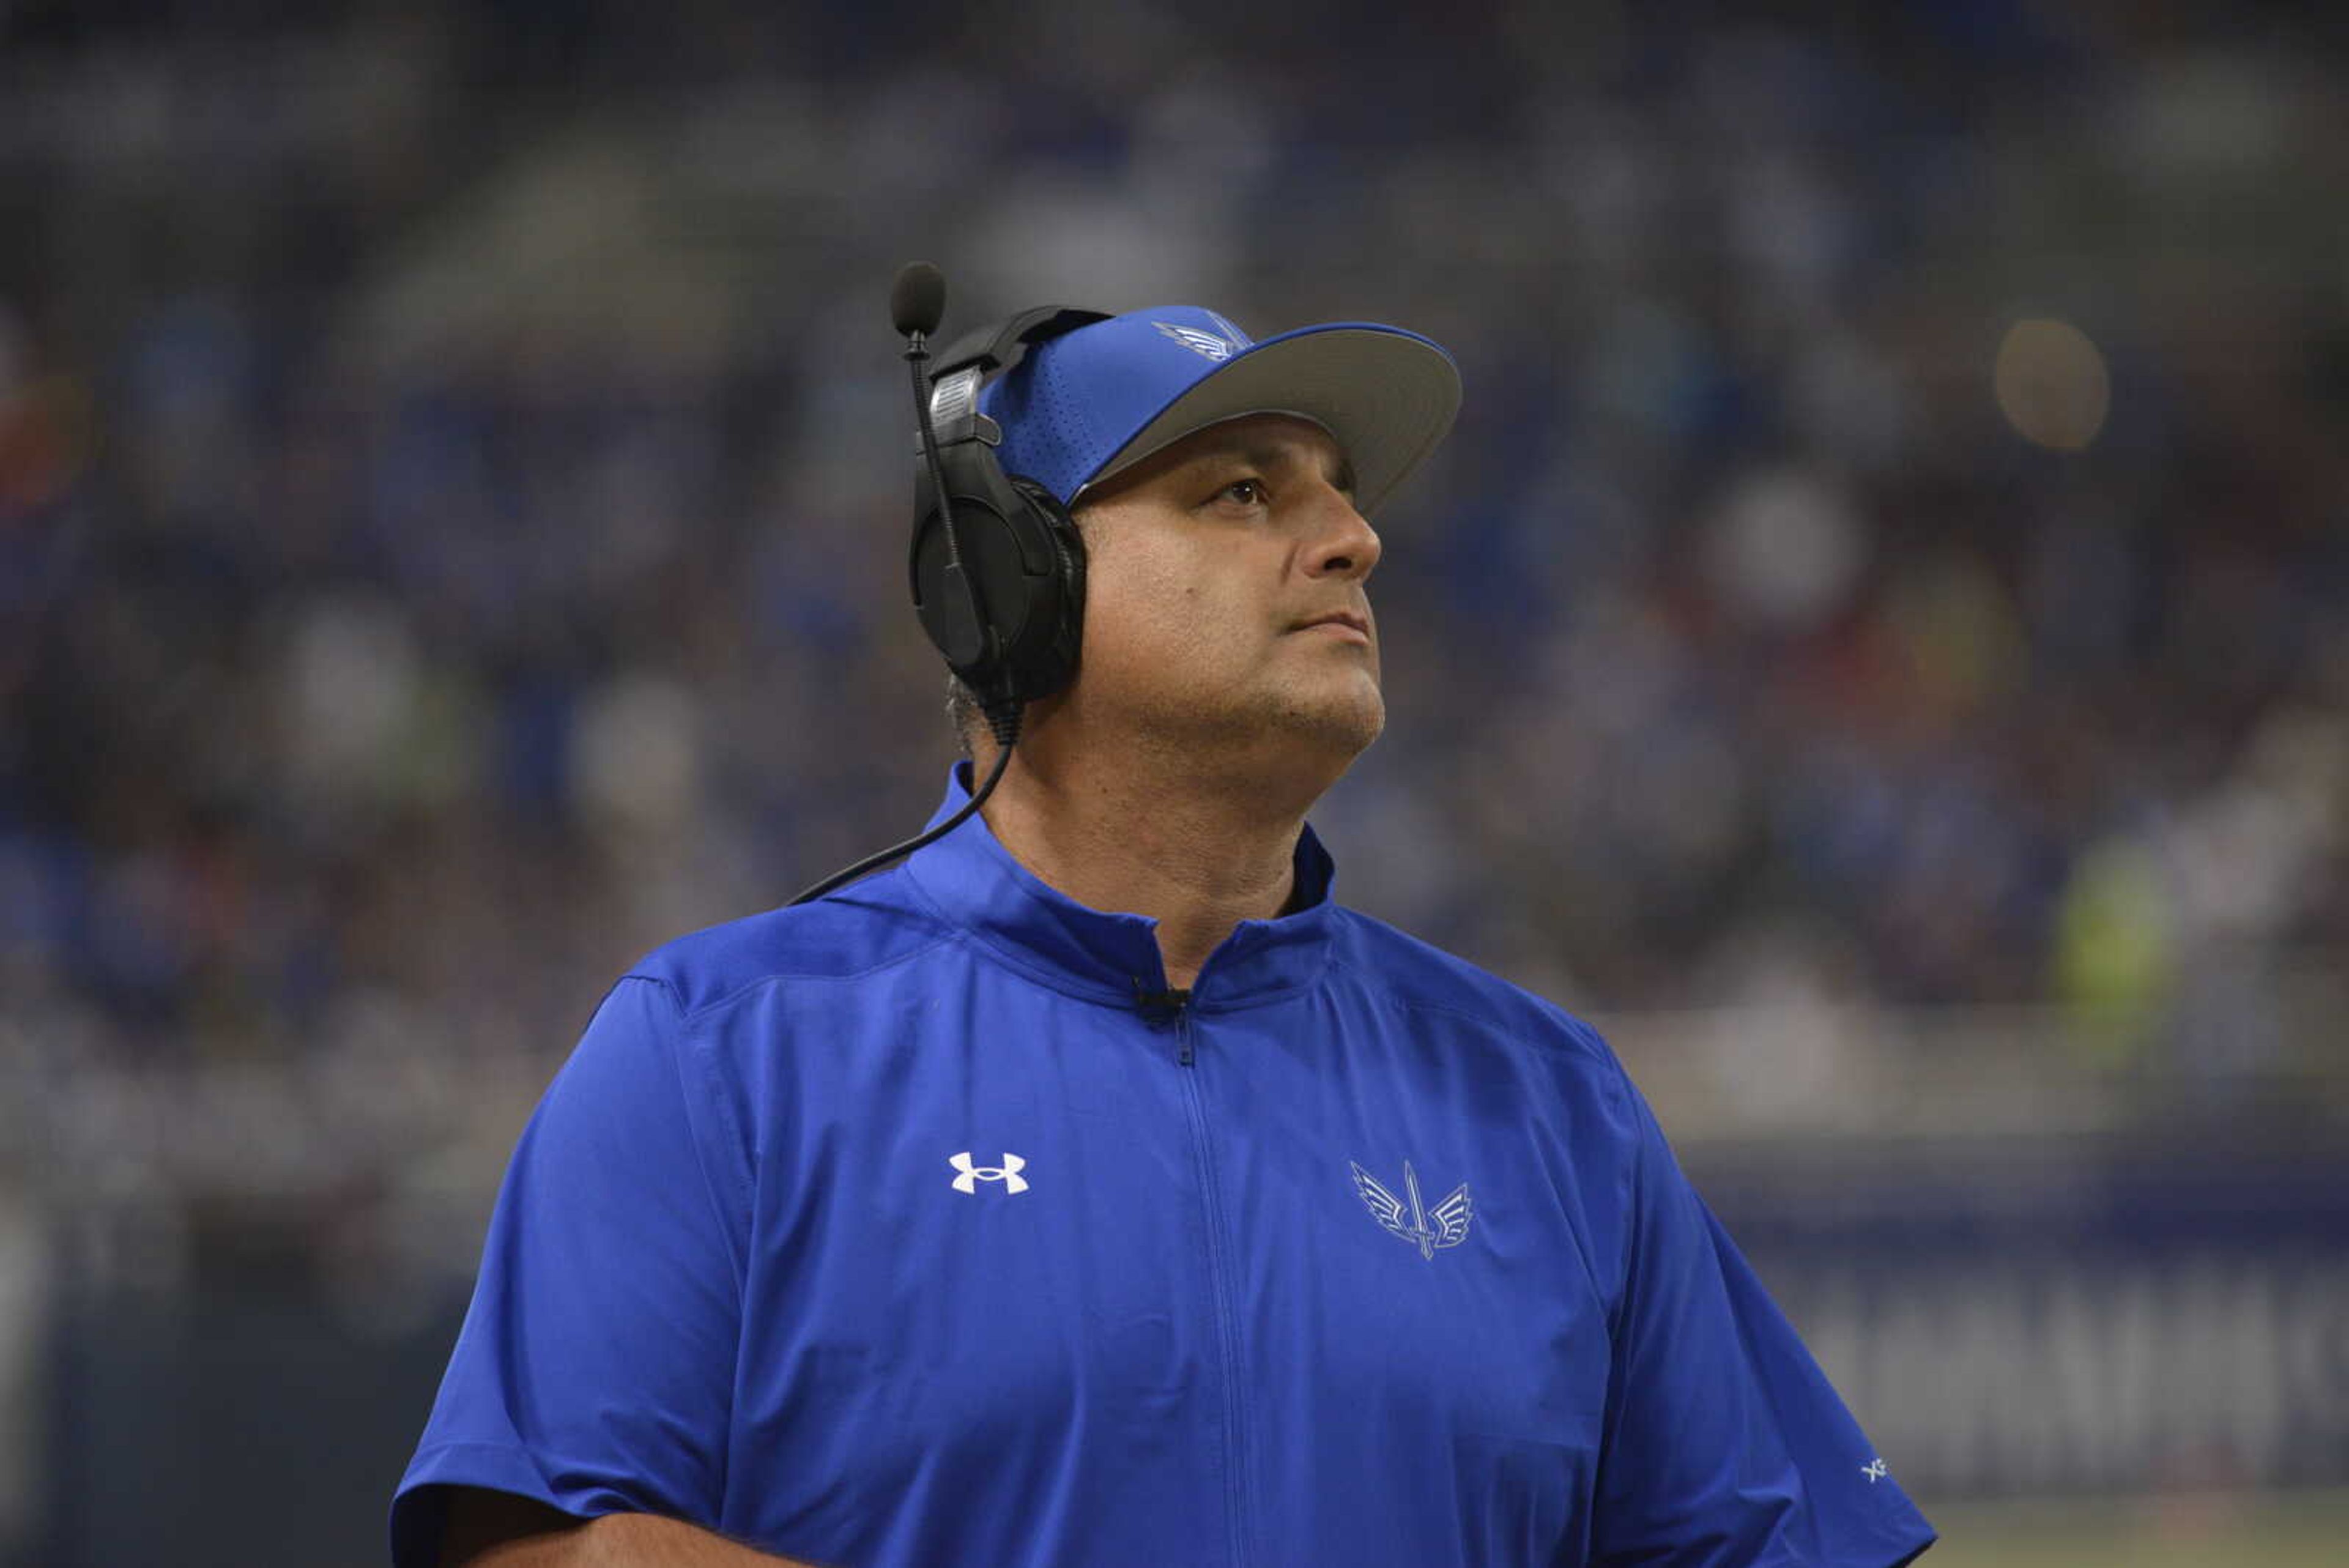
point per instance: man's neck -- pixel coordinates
(1198, 856)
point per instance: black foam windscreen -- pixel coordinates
(917, 300)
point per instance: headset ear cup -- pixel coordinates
(970, 644)
(1022, 558)
(1009, 617)
(1061, 644)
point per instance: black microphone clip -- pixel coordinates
(1160, 1006)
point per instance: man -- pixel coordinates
(1091, 1191)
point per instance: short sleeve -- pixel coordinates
(595, 1369)
(1726, 1447)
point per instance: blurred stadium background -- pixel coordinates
(1875, 641)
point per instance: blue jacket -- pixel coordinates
(894, 1231)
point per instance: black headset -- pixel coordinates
(997, 571)
(996, 568)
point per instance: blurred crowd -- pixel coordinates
(453, 490)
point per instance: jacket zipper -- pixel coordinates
(1235, 1468)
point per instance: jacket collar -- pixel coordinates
(979, 887)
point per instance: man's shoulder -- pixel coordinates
(868, 926)
(1417, 974)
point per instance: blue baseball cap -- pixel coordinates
(1089, 403)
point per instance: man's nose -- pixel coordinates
(1345, 543)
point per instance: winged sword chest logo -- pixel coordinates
(1431, 1230)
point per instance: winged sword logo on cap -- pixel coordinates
(1446, 1225)
(1203, 343)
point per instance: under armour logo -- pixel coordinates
(1451, 1216)
(1875, 1471)
(972, 1175)
(1205, 344)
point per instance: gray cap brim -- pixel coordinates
(1386, 396)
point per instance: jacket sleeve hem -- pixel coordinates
(422, 1507)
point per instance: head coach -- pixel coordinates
(1089, 1189)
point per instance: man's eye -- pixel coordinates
(1247, 491)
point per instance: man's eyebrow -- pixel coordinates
(1261, 454)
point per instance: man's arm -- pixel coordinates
(1724, 1445)
(499, 1530)
(595, 1368)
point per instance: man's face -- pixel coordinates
(1214, 571)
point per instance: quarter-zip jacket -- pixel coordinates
(921, 1227)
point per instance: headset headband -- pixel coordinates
(1001, 347)
(984, 353)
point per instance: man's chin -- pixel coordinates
(1339, 727)
(1320, 729)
